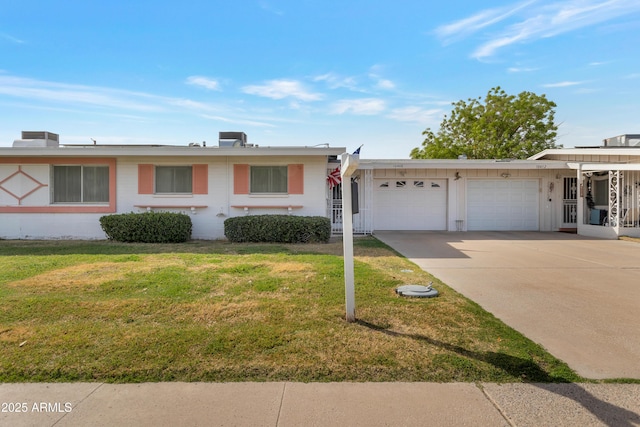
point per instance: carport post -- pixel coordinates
(348, 165)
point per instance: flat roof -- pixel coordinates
(165, 151)
(461, 164)
(559, 153)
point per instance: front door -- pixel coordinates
(569, 202)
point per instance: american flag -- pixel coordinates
(334, 177)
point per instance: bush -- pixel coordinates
(148, 227)
(278, 229)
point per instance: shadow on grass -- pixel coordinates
(532, 373)
(516, 367)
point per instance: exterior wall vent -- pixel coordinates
(37, 139)
(232, 139)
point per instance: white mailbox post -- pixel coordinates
(348, 165)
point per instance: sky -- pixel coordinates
(309, 72)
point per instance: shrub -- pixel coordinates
(148, 227)
(278, 229)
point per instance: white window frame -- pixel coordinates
(173, 184)
(55, 198)
(271, 182)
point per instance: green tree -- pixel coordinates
(503, 127)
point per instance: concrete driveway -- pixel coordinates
(579, 297)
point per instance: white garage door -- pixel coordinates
(502, 204)
(410, 204)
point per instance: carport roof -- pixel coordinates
(572, 154)
(461, 164)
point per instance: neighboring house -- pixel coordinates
(53, 191)
(594, 191)
(50, 191)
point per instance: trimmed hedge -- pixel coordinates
(148, 227)
(278, 229)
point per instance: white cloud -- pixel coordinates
(64, 94)
(238, 121)
(521, 69)
(380, 82)
(529, 21)
(335, 81)
(11, 38)
(361, 107)
(416, 114)
(477, 22)
(280, 89)
(267, 6)
(562, 84)
(205, 82)
(189, 104)
(385, 84)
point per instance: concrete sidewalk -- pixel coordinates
(320, 404)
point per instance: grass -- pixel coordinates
(215, 311)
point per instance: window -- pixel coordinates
(601, 196)
(269, 179)
(80, 184)
(174, 179)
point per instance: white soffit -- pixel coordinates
(586, 167)
(461, 164)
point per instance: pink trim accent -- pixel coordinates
(39, 185)
(240, 179)
(57, 209)
(110, 208)
(56, 160)
(200, 179)
(296, 179)
(145, 179)
(268, 206)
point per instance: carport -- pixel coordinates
(577, 296)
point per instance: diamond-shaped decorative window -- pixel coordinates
(20, 185)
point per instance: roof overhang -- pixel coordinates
(167, 151)
(600, 167)
(565, 153)
(461, 164)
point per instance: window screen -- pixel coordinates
(269, 179)
(174, 179)
(80, 184)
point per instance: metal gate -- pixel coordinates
(570, 202)
(361, 221)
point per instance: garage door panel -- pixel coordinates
(504, 204)
(416, 205)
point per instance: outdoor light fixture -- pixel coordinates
(505, 174)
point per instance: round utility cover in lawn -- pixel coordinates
(416, 291)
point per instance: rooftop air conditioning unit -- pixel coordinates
(37, 139)
(232, 139)
(626, 140)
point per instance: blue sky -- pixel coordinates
(309, 72)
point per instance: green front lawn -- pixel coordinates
(215, 311)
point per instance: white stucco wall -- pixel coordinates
(44, 226)
(208, 221)
(313, 201)
(550, 201)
